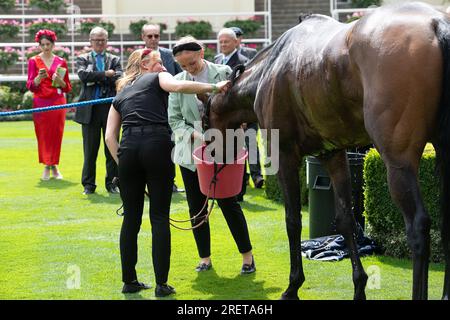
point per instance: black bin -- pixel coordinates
(321, 197)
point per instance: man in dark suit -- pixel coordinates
(151, 34)
(229, 54)
(98, 71)
(245, 51)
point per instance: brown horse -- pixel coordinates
(328, 86)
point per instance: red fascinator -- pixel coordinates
(49, 33)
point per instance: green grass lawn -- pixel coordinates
(50, 233)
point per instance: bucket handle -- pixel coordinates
(205, 219)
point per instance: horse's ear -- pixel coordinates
(237, 72)
(303, 16)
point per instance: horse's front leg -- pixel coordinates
(290, 185)
(337, 166)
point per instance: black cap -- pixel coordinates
(238, 31)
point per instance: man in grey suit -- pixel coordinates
(151, 34)
(98, 71)
(229, 53)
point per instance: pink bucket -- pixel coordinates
(229, 179)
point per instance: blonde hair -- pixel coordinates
(133, 69)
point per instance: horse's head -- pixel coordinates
(229, 109)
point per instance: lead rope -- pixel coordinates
(205, 219)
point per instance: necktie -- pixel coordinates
(225, 60)
(100, 67)
(99, 62)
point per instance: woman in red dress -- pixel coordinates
(48, 79)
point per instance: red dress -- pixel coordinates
(49, 126)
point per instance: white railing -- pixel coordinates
(121, 32)
(336, 11)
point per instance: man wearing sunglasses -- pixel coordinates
(151, 34)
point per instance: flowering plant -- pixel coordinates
(248, 26)
(365, 3)
(7, 4)
(62, 52)
(8, 57)
(88, 24)
(129, 50)
(56, 25)
(210, 52)
(87, 49)
(48, 5)
(9, 28)
(198, 29)
(354, 16)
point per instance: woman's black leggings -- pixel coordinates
(230, 208)
(144, 160)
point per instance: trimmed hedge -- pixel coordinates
(274, 192)
(385, 221)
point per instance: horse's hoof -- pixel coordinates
(287, 296)
(361, 296)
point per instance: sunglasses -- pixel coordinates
(99, 40)
(151, 36)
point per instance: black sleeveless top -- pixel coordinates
(142, 102)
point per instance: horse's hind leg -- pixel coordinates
(404, 188)
(290, 185)
(337, 166)
(445, 224)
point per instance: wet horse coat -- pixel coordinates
(328, 86)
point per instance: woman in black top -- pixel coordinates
(145, 159)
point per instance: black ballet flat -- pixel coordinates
(134, 287)
(248, 268)
(203, 267)
(164, 290)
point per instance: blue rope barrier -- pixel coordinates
(63, 106)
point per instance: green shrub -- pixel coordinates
(9, 99)
(248, 26)
(197, 29)
(365, 3)
(57, 25)
(49, 5)
(27, 100)
(8, 57)
(136, 28)
(88, 24)
(386, 225)
(273, 190)
(9, 28)
(7, 4)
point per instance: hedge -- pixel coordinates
(385, 221)
(274, 192)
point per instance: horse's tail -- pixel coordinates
(442, 31)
